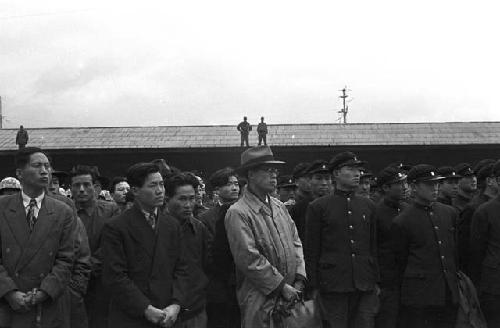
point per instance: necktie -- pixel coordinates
(30, 217)
(150, 217)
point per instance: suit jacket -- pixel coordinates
(41, 259)
(426, 254)
(142, 267)
(341, 247)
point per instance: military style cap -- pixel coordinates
(318, 166)
(366, 174)
(10, 183)
(479, 165)
(448, 172)
(464, 169)
(286, 181)
(346, 158)
(401, 166)
(300, 170)
(485, 172)
(423, 172)
(496, 169)
(390, 175)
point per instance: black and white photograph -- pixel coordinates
(249, 164)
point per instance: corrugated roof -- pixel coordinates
(457, 133)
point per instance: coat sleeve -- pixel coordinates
(125, 293)
(7, 284)
(312, 248)
(82, 266)
(297, 243)
(248, 259)
(58, 279)
(478, 243)
(400, 245)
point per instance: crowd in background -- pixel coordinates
(409, 246)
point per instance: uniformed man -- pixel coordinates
(303, 182)
(262, 131)
(488, 189)
(244, 128)
(340, 249)
(286, 190)
(448, 187)
(365, 183)
(467, 185)
(392, 183)
(424, 243)
(22, 137)
(320, 183)
(485, 249)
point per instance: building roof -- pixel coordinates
(359, 134)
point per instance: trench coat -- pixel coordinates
(267, 253)
(41, 259)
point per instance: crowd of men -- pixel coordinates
(412, 246)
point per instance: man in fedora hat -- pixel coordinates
(424, 240)
(264, 242)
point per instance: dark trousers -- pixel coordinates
(97, 304)
(349, 310)
(244, 139)
(490, 304)
(223, 315)
(428, 317)
(387, 316)
(262, 137)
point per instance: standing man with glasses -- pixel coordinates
(36, 254)
(264, 242)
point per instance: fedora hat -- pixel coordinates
(256, 156)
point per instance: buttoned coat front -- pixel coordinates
(142, 267)
(267, 253)
(41, 259)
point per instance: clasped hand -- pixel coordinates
(22, 302)
(164, 318)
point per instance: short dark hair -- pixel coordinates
(82, 170)
(221, 177)
(174, 181)
(23, 156)
(115, 181)
(137, 173)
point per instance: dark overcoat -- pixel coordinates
(41, 259)
(142, 267)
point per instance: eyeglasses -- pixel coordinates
(269, 169)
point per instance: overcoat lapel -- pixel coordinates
(160, 245)
(15, 215)
(44, 224)
(141, 231)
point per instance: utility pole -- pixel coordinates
(1, 116)
(345, 108)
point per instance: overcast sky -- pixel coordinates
(139, 63)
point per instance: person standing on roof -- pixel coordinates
(244, 128)
(262, 131)
(22, 137)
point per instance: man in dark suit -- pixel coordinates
(340, 249)
(144, 268)
(424, 237)
(36, 236)
(485, 251)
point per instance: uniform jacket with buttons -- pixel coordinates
(39, 259)
(426, 254)
(340, 249)
(142, 267)
(485, 246)
(385, 213)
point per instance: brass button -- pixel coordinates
(349, 212)
(351, 227)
